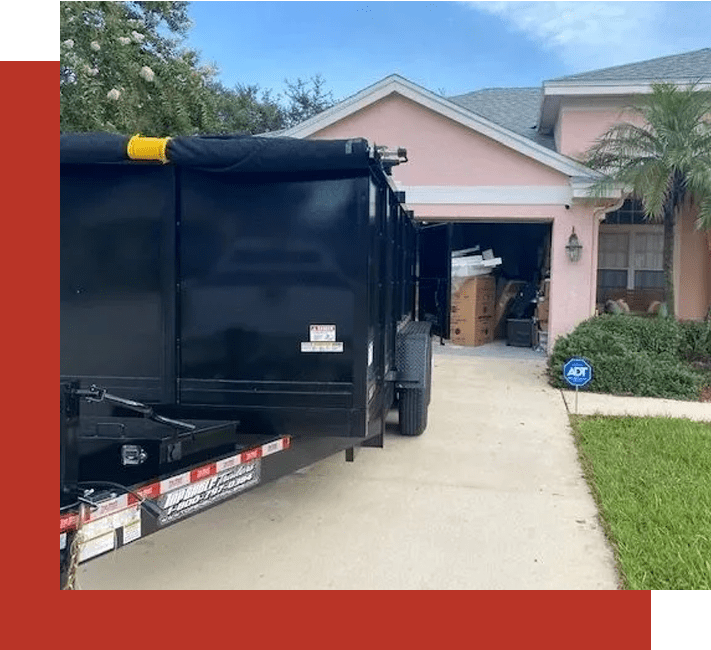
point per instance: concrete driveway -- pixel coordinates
(491, 496)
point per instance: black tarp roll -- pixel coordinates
(88, 148)
(248, 154)
(260, 154)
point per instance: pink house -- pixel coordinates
(502, 164)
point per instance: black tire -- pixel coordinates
(412, 409)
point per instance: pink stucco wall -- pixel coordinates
(443, 152)
(694, 273)
(582, 120)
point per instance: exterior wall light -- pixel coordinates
(573, 247)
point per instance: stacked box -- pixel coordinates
(473, 308)
(543, 307)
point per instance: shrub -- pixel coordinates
(637, 356)
(695, 343)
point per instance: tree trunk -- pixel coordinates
(668, 257)
(673, 203)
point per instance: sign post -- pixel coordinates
(577, 372)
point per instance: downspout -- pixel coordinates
(599, 215)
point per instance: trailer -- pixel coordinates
(232, 309)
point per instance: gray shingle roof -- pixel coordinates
(516, 109)
(690, 65)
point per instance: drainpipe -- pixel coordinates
(599, 214)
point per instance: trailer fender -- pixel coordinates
(414, 376)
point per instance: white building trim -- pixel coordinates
(487, 194)
(498, 194)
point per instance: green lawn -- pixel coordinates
(651, 478)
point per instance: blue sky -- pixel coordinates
(448, 47)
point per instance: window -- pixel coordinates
(630, 258)
(631, 213)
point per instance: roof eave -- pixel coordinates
(554, 91)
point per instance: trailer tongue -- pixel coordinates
(232, 309)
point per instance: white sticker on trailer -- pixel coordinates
(132, 531)
(97, 546)
(174, 482)
(272, 447)
(110, 523)
(62, 541)
(322, 333)
(322, 346)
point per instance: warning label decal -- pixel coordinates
(322, 346)
(322, 333)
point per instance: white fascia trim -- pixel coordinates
(487, 194)
(581, 189)
(611, 88)
(423, 97)
(500, 194)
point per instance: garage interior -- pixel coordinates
(501, 301)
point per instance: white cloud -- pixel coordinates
(590, 35)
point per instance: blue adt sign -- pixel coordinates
(577, 372)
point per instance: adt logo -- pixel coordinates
(577, 372)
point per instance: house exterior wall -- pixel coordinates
(440, 151)
(583, 119)
(444, 153)
(693, 294)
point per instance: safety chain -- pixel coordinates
(74, 549)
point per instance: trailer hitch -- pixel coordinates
(96, 394)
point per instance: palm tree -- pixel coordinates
(663, 158)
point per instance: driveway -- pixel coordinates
(491, 496)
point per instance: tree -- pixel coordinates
(121, 70)
(246, 109)
(305, 99)
(663, 157)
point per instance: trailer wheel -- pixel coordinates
(428, 374)
(412, 409)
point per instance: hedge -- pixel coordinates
(639, 356)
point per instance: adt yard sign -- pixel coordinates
(577, 372)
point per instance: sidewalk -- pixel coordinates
(600, 404)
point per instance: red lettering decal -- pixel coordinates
(67, 522)
(251, 455)
(147, 492)
(203, 472)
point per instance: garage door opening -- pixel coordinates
(507, 298)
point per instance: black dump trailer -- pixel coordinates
(232, 309)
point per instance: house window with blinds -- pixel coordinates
(630, 259)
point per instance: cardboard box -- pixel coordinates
(473, 306)
(543, 310)
(472, 333)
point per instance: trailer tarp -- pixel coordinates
(238, 153)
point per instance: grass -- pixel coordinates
(651, 478)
